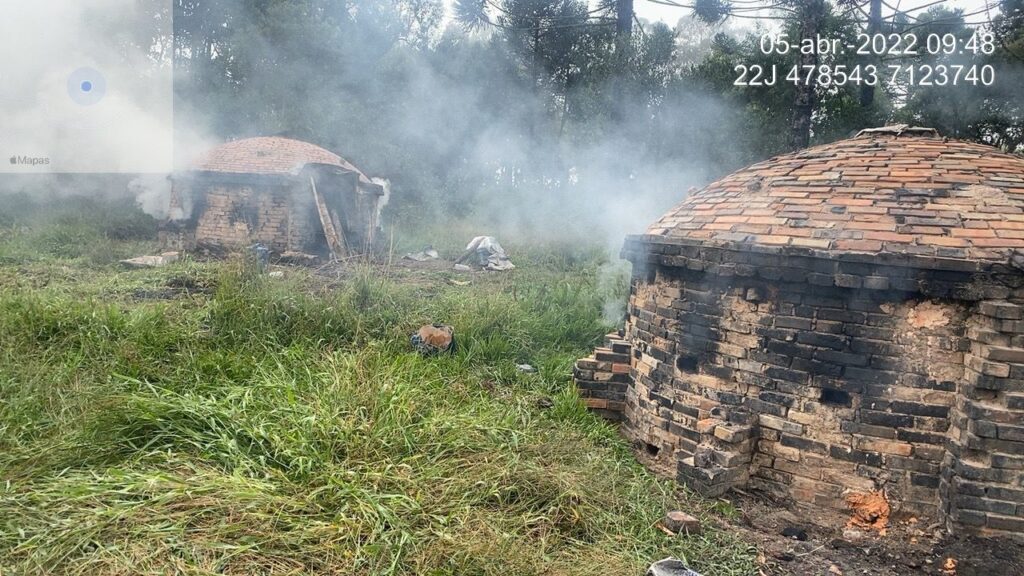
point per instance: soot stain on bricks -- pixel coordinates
(817, 341)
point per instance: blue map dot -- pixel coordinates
(86, 86)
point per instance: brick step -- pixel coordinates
(606, 355)
(617, 344)
(603, 377)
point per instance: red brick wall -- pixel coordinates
(812, 379)
(279, 217)
(983, 474)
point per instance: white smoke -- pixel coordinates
(383, 201)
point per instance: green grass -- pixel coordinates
(284, 426)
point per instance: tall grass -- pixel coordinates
(99, 231)
(285, 427)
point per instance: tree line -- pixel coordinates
(526, 98)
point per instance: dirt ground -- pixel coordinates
(910, 546)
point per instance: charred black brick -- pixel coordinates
(996, 383)
(661, 400)
(856, 268)
(843, 358)
(886, 363)
(914, 380)
(872, 332)
(731, 398)
(863, 346)
(864, 305)
(914, 464)
(1006, 494)
(904, 284)
(620, 379)
(780, 334)
(775, 476)
(781, 309)
(921, 437)
(703, 332)
(608, 394)
(856, 456)
(683, 305)
(683, 432)
(790, 349)
(874, 393)
(786, 374)
(985, 474)
(708, 297)
(769, 358)
(804, 444)
(815, 367)
(971, 489)
(925, 480)
(792, 322)
(820, 300)
(790, 297)
(762, 407)
(702, 319)
(1008, 524)
(944, 385)
(839, 384)
(607, 356)
(876, 283)
(828, 326)
(1001, 310)
(759, 380)
(848, 281)
(826, 340)
(867, 430)
(842, 316)
(969, 517)
(917, 409)
(820, 279)
(870, 376)
(805, 311)
(776, 398)
(879, 319)
(620, 347)
(684, 408)
(690, 343)
(886, 419)
(1005, 461)
(723, 372)
(994, 506)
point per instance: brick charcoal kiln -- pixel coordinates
(289, 195)
(837, 323)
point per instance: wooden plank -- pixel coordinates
(335, 242)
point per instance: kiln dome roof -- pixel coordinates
(895, 190)
(270, 155)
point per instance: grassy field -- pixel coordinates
(206, 419)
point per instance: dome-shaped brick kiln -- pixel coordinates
(843, 320)
(289, 195)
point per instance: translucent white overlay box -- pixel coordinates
(86, 86)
